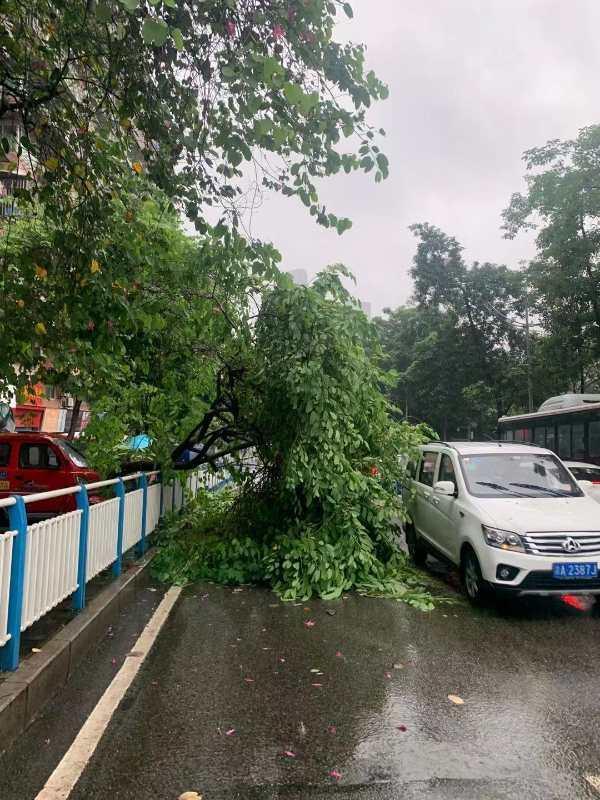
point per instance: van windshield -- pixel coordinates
(517, 475)
(74, 455)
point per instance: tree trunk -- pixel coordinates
(74, 419)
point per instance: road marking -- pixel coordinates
(62, 781)
(594, 781)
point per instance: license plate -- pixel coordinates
(4, 485)
(575, 570)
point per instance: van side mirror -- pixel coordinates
(447, 488)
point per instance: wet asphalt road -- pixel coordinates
(241, 661)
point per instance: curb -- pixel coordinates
(27, 690)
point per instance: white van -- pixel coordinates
(510, 516)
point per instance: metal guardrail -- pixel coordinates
(44, 563)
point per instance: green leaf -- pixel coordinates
(130, 5)
(348, 10)
(177, 37)
(155, 32)
(228, 71)
(170, 3)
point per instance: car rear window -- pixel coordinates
(38, 456)
(4, 454)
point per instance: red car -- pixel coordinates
(38, 462)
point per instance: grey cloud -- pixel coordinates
(473, 84)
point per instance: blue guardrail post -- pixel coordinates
(17, 516)
(84, 504)
(143, 484)
(120, 493)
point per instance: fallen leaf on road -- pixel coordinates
(237, 591)
(306, 608)
(388, 675)
(190, 796)
(317, 685)
(302, 729)
(339, 654)
(309, 623)
(249, 680)
(315, 670)
(230, 732)
(402, 728)
(454, 698)
(288, 753)
(335, 774)
(36, 650)
(281, 660)
(152, 589)
(398, 666)
(332, 729)
(331, 612)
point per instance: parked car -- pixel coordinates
(37, 462)
(589, 474)
(510, 516)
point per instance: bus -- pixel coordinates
(568, 425)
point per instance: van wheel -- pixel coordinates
(476, 588)
(416, 548)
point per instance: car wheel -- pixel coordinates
(416, 548)
(476, 588)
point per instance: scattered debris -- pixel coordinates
(335, 774)
(152, 589)
(309, 623)
(230, 732)
(190, 796)
(401, 728)
(317, 685)
(249, 680)
(36, 650)
(315, 670)
(114, 662)
(288, 754)
(302, 729)
(339, 654)
(454, 698)
(398, 666)
(388, 675)
(331, 612)
(331, 729)
(238, 590)
(281, 660)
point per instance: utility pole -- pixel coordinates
(528, 351)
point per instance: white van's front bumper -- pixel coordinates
(534, 574)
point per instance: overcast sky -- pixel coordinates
(473, 83)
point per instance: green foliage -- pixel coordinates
(319, 512)
(562, 203)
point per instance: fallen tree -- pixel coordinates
(317, 510)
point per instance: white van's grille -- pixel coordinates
(583, 543)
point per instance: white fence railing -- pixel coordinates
(6, 544)
(103, 534)
(50, 565)
(153, 507)
(132, 527)
(43, 564)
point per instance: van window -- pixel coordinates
(428, 468)
(594, 443)
(38, 456)
(4, 454)
(446, 471)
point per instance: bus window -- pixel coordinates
(578, 451)
(564, 441)
(508, 436)
(594, 436)
(539, 436)
(523, 435)
(551, 439)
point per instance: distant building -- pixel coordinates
(299, 276)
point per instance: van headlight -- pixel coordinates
(505, 540)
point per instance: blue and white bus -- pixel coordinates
(568, 425)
